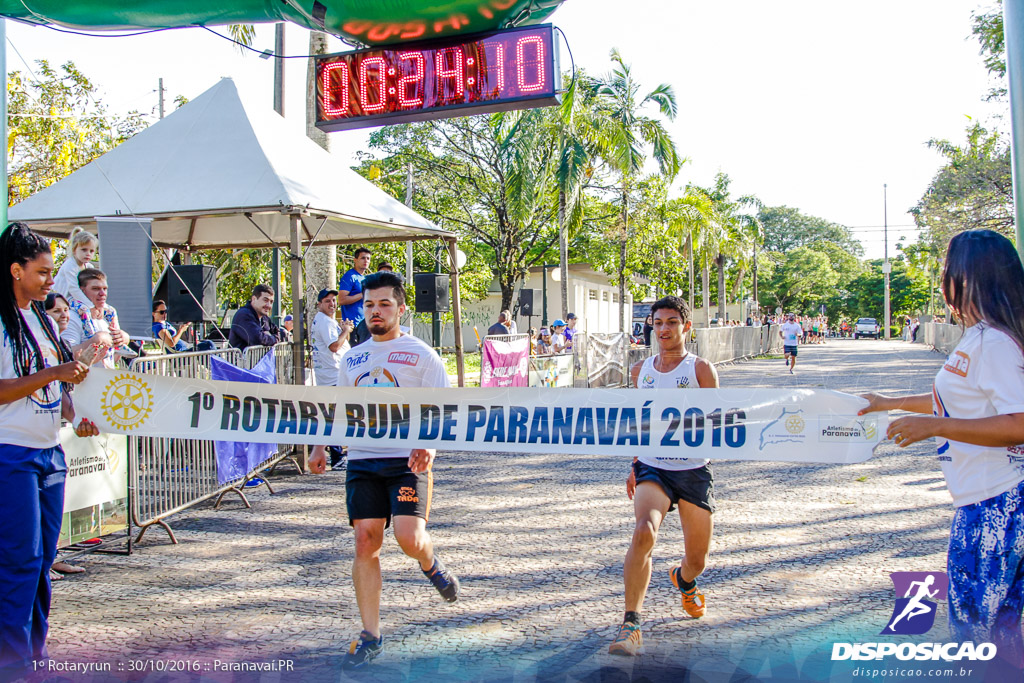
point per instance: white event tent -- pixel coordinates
(220, 174)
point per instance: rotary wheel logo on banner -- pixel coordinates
(127, 401)
(795, 424)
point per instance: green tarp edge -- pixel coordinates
(373, 22)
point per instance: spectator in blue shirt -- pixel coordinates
(350, 288)
(251, 325)
(164, 331)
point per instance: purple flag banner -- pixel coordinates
(235, 459)
(505, 363)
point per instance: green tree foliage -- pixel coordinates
(908, 291)
(973, 190)
(731, 232)
(786, 228)
(987, 27)
(803, 277)
(490, 178)
(57, 125)
(656, 256)
(625, 133)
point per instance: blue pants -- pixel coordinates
(986, 573)
(31, 507)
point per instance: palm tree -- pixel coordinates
(728, 227)
(686, 216)
(625, 133)
(578, 130)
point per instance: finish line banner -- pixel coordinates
(795, 425)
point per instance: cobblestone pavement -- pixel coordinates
(800, 558)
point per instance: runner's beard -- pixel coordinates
(379, 327)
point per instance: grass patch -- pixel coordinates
(472, 364)
(862, 479)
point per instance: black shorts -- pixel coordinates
(695, 486)
(789, 350)
(378, 488)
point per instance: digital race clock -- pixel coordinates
(499, 71)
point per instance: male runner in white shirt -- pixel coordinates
(382, 484)
(790, 332)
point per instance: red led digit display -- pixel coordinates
(499, 71)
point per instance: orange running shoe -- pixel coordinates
(628, 642)
(693, 602)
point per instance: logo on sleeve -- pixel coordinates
(958, 363)
(404, 358)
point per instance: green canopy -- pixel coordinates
(373, 22)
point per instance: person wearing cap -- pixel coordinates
(329, 338)
(330, 342)
(558, 341)
(287, 323)
(544, 342)
(570, 330)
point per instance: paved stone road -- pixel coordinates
(800, 558)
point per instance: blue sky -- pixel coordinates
(805, 103)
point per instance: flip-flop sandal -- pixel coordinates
(55, 576)
(65, 568)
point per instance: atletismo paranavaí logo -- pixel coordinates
(917, 599)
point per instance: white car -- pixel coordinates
(866, 327)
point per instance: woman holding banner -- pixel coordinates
(977, 416)
(36, 370)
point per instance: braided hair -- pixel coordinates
(19, 244)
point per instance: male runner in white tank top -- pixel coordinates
(657, 485)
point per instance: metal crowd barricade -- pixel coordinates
(167, 476)
(579, 360)
(283, 364)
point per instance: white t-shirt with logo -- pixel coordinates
(791, 333)
(33, 421)
(403, 362)
(983, 377)
(325, 331)
(682, 376)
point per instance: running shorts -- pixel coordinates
(694, 486)
(379, 488)
(790, 350)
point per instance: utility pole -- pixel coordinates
(886, 267)
(755, 275)
(160, 89)
(1013, 27)
(408, 245)
(275, 254)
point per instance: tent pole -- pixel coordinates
(460, 360)
(299, 323)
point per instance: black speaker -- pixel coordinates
(431, 293)
(528, 299)
(191, 294)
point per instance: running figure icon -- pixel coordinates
(917, 605)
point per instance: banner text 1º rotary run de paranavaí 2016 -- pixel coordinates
(795, 425)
